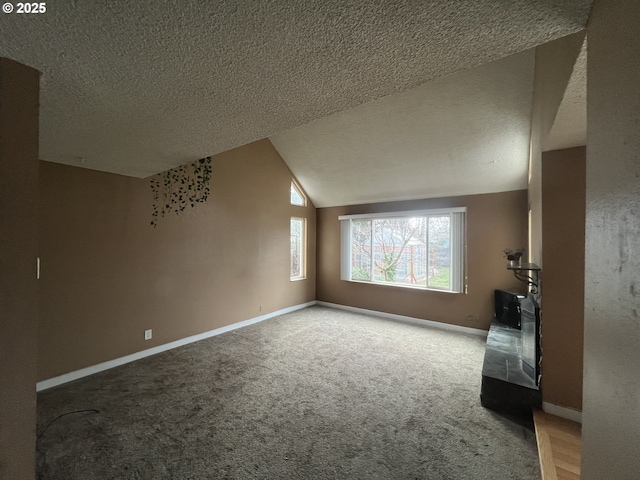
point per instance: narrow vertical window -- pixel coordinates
(297, 248)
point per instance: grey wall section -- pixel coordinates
(107, 275)
(19, 92)
(563, 207)
(494, 222)
(611, 399)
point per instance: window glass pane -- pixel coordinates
(361, 250)
(297, 248)
(297, 198)
(399, 250)
(414, 249)
(439, 252)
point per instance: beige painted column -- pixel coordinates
(611, 394)
(19, 93)
(563, 207)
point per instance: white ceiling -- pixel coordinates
(139, 87)
(463, 134)
(570, 125)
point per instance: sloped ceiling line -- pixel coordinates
(137, 88)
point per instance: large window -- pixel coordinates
(298, 235)
(423, 249)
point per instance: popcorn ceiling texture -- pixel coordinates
(570, 125)
(464, 134)
(140, 87)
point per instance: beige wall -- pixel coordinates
(554, 65)
(19, 92)
(107, 275)
(611, 396)
(563, 204)
(494, 222)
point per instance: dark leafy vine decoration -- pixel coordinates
(179, 188)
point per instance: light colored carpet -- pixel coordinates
(315, 394)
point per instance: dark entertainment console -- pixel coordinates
(511, 369)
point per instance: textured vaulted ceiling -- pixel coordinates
(139, 87)
(570, 125)
(464, 134)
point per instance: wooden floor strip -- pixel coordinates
(559, 444)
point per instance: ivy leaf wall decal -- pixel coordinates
(180, 187)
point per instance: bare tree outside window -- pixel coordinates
(403, 250)
(395, 241)
(361, 250)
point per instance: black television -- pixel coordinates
(507, 306)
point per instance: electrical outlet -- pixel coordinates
(260, 307)
(148, 334)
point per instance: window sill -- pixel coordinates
(297, 279)
(410, 287)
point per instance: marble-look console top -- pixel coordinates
(503, 356)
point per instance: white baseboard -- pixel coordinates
(100, 367)
(564, 412)
(402, 318)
